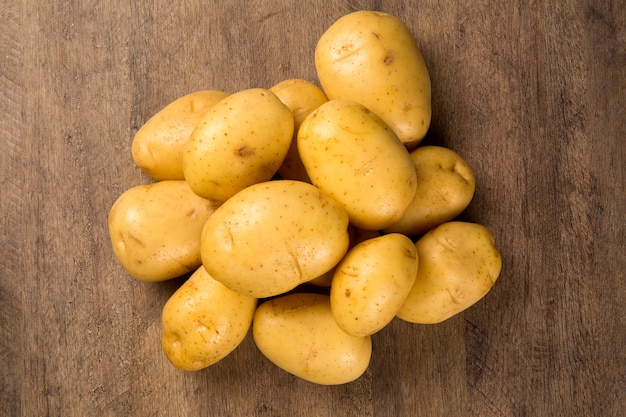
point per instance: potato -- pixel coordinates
(302, 97)
(297, 332)
(458, 265)
(372, 282)
(241, 141)
(203, 322)
(352, 155)
(155, 229)
(372, 58)
(159, 144)
(445, 187)
(272, 236)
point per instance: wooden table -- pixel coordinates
(532, 94)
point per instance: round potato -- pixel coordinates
(372, 58)
(372, 282)
(159, 144)
(203, 322)
(272, 236)
(298, 333)
(458, 265)
(302, 97)
(445, 187)
(352, 155)
(155, 229)
(242, 140)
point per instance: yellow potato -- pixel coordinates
(272, 236)
(458, 265)
(445, 187)
(159, 144)
(372, 282)
(302, 97)
(298, 333)
(155, 229)
(242, 140)
(203, 321)
(350, 154)
(372, 58)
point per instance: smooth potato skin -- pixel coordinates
(241, 141)
(155, 229)
(203, 322)
(159, 144)
(372, 58)
(272, 236)
(352, 155)
(445, 187)
(458, 265)
(302, 97)
(371, 283)
(297, 332)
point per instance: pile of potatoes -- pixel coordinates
(310, 217)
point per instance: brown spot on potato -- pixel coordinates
(244, 151)
(388, 60)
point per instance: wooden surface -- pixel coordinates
(532, 94)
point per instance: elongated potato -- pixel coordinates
(297, 332)
(372, 282)
(159, 144)
(372, 58)
(458, 265)
(445, 187)
(272, 236)
(155, 229)
(242, 140)
(302, 97)
(203, 322)
(352, 155)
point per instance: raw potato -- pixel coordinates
(155, 229)
(270, 237)
(159, 144)
(445, 187)
(458, 265)
(302, 97)
(372, 282)
(372, 58)
(298, 333)
(350, 154)
(241, 141)
(203, 321)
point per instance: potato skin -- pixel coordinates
(158, 145)
(242, 140)
(302, 97)
(458, 265)
(352, 155)
(155, 229)
(297, 332)
(372, 282)
(445, 187)
(272, 236)
(372, 58)
(203, 322)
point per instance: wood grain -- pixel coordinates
(532, 94)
